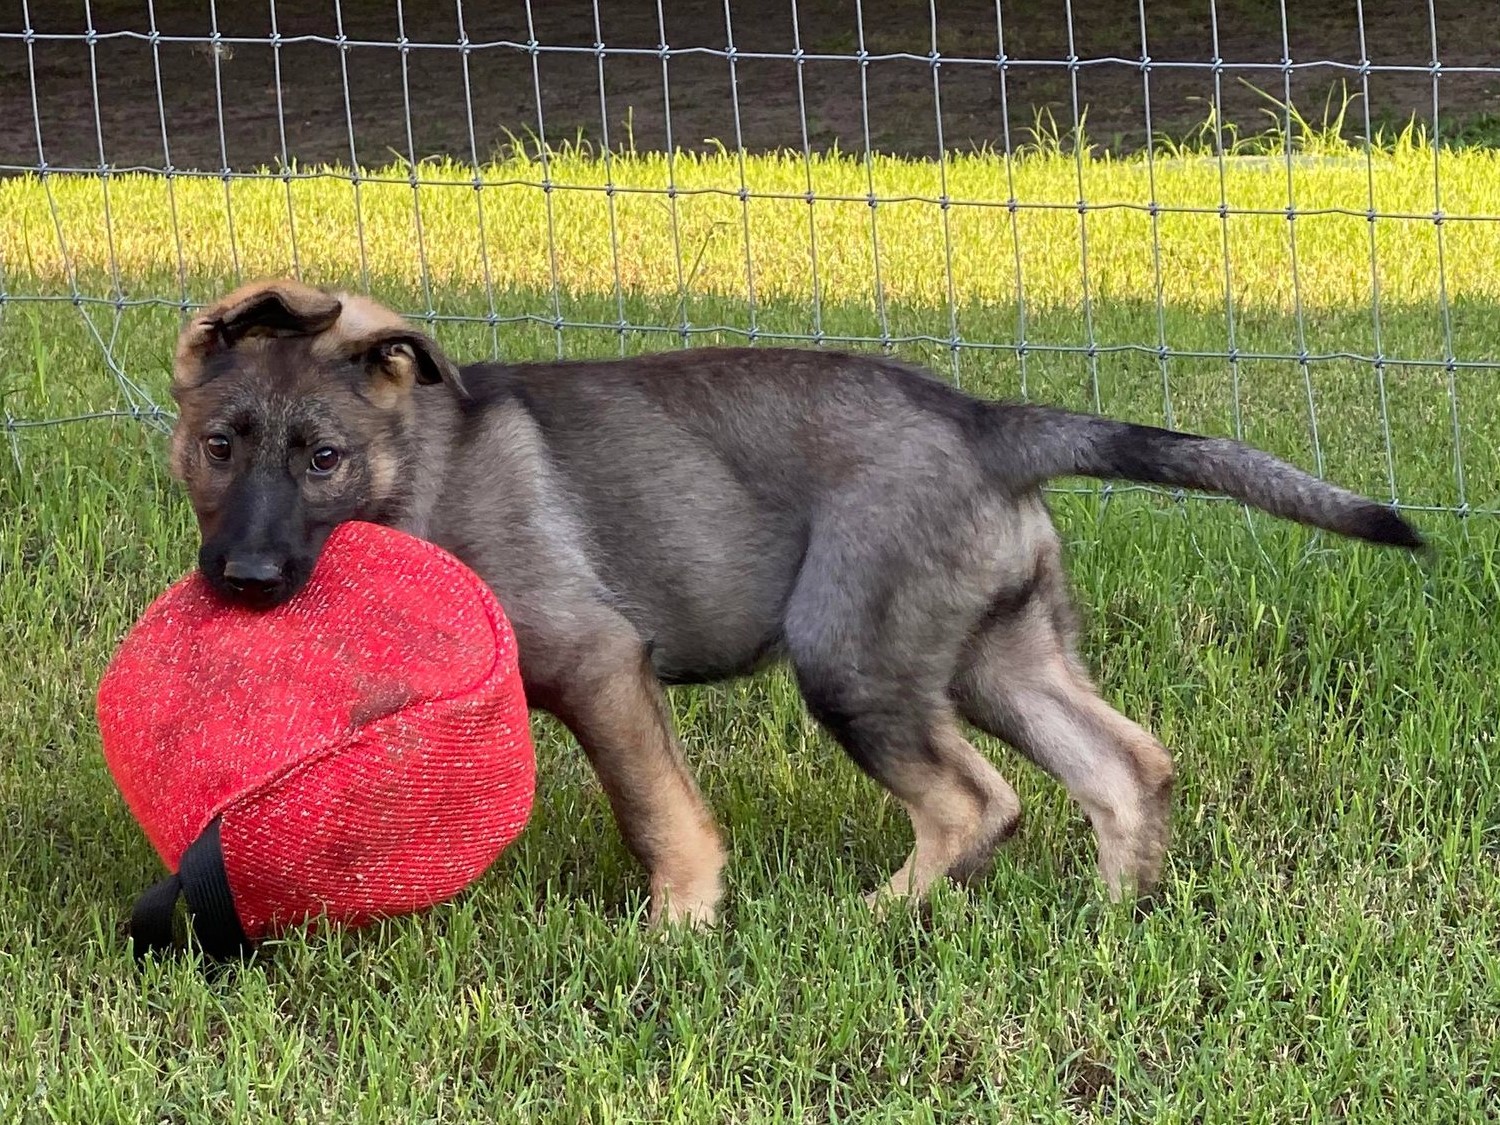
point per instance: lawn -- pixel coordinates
(1325, 943)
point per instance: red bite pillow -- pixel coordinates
(360, 751)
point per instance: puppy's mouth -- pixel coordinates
(254, 599)
(255, 594)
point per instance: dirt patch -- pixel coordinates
(130, 92)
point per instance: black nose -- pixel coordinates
(258, 576)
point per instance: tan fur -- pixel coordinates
(624, 725)
(341, 321)
(1131, 820)
(200, 335)
(1024, 683)
(384, 469)
(361, 318)
(961, 809)
(341, 324)
(398, 371)
(361, 323)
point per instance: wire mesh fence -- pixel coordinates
(249, 111)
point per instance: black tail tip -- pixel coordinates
(1380, 524)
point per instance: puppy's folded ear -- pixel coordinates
(401, 359)
(280, 307)
(343, 327)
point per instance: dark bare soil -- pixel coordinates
(294, 102)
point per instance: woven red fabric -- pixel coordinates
(366, 744)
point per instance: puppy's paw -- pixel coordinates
(673, 907)
(889, 899)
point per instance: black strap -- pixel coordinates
(204, 886)
(151, 921)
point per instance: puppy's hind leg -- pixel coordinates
(961, 808)
(873, 665)
(1021, 681)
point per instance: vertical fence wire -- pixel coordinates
(1091, 341)
(1444, 308)
(1376, 340)
(685, 327)
(752, 331)
(800, 61)
(1012, 202)
(354, 173)
(1232, 355)
(226, 172)
(116, 284)
(481, 229)
(606, 151)
(286, 156)
(872, 197)
(1292, 214)
(424, 270)
(169, 173)
(945, 203)
(1158, 287)
(544, 155)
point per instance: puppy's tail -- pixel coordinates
(1030, 445)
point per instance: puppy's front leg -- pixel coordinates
(609, 697)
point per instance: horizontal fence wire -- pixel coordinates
(102, 305)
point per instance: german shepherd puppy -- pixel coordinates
(691, 516)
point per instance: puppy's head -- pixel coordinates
(295, 415)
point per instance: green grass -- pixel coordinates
(1325, 943)
(530, 233)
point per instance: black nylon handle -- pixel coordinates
(151, 928)
(203, 884)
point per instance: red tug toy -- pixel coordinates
(360, 751)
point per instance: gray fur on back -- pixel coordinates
(682, 489)
(685, 490)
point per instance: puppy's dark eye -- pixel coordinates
(325, 460)
(217, 447)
